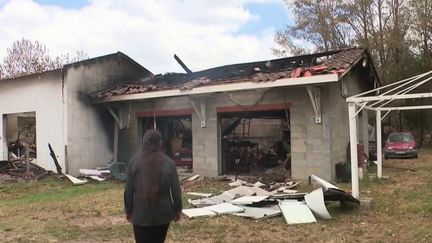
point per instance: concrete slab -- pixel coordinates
(366, 202)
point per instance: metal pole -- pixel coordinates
(353, 149)
(379, 143)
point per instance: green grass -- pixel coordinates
(53, 210)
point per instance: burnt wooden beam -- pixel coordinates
(58, 167)
(188, 71)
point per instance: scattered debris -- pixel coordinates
(334, 193)
(246, 200)
(296, 212)
(199, 194)
(251, 200)
(93, 172)
(75, 180)
(237, 183)
(259, 184)
(225, 208)
(315, 201)
(197, 212)
(21, 169)
(259, 213)
(97, 178)
(194, 177)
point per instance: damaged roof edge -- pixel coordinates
(118, 54)
(90, 60)
(327, 78)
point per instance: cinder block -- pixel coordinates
(366, 202)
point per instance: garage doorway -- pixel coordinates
(254, 141)
(176, 134)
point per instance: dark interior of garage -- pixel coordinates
(176, 134)
(255, 141)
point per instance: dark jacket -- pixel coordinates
(169, 202)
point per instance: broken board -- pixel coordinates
(248, 200)
(75, 180)
(258, 213)
(296, 212)
(225, 208)
(315, 201)
(198, 212)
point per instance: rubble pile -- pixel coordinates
(13, 171)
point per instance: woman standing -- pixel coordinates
(152, 195)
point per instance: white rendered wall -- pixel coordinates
(41, 94)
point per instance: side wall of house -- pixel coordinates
(90, 126)
(42, 94)
(310, 145)
(356, 82)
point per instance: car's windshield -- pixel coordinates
(400, 137)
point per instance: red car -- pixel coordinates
(400, 145)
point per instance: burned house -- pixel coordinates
(289, 110)
(53, 107)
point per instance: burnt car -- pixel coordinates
(400, 145)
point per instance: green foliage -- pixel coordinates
(398, 34)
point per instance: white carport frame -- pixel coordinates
(399, 90)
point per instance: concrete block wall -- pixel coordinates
(310, 142)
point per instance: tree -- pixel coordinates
(380, 25)
(318, 23)
(27, 56)
(398, 34)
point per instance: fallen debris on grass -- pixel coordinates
(296, 212)
(13, 171)
(75, 180)
(315, 201)
(253, 201)
(199, 194)
(259, 213)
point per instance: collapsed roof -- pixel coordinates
(333, 62)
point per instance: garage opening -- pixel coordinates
(255, 141)
(20, 133)
(176, 134)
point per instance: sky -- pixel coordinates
(203, 33)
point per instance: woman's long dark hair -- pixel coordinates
(152, 160)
